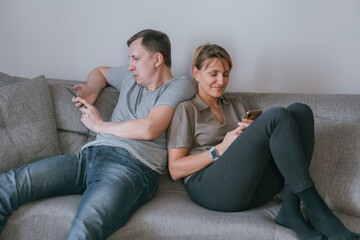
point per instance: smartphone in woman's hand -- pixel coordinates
(253, 114)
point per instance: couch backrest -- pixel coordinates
(336, 107)
(72, 133)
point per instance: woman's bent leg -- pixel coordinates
(230, 183)
(50, 177)
(331, 227)
(290, 213)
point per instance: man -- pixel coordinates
(118, 172)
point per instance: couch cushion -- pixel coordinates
(27, 123)
(6, 79)
(336, 163)
(72, 132)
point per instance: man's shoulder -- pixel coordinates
(118, 71)
(181, 81)
(181, 85)
(119, 76)
(177, 90)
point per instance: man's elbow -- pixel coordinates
(173, 173)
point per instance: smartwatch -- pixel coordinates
(213, 154)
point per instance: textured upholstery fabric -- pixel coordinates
(171, 214)
(27, 123)
(73, 133)
(336, 164)
(6, 79)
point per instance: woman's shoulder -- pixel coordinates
(186, 105)
(233, 96)
(236, 98)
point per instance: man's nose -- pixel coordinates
(131, 66)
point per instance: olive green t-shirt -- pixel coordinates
(194, 126)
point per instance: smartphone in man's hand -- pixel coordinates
(253, 114)
(71, 91)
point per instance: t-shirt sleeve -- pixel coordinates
(116, 76)
(181, 130)
(177, 90)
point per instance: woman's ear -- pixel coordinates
(196, 72)
(159, 59)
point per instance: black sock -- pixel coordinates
(290, 216)
(322, 218)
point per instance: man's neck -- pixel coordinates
(160, 78)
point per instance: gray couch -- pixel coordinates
(38, 120)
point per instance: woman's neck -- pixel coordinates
(212, 102)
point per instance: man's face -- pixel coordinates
(142, 63)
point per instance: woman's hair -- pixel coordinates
(208, 51)
(154, 41)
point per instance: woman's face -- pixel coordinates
(212, 78)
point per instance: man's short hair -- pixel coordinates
(155, 42)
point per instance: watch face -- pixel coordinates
(214, 154)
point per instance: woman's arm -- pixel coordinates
(181, 165)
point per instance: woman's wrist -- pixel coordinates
(219, 149)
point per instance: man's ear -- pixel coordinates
(159, 59)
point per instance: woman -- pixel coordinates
(234, 164)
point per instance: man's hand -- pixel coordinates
(86, 92)
(90, 115)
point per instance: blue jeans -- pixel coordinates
(278, 145)
(114, 185)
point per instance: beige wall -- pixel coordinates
(309, 46)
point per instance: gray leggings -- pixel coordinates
(278, 145)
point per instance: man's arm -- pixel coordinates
(97, 80)
(146, 128)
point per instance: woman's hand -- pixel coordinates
(232, 135)
(228, 140)
(86, 92)
(244, 124)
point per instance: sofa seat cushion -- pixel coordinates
(169, 215)
(27, 123)
(50, 218)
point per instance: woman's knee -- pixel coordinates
(301, 108)
(278, 112)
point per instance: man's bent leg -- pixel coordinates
(118, 185)
(53, 176)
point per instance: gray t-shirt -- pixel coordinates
(194, 126)
(135, 101)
